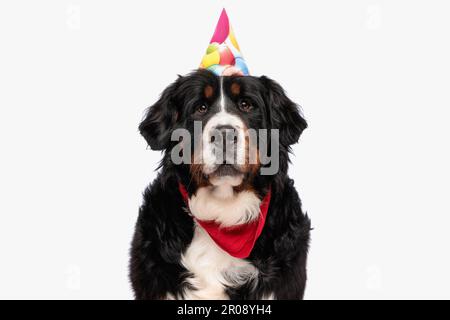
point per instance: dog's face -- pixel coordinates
(223, 116)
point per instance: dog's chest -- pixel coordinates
(213, 269)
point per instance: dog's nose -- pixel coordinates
(224, 139)
(227, 134)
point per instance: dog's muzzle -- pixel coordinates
(224, 141)
(225, 150)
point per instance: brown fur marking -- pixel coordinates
(209, 91)
(235, 89)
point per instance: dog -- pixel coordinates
(173, 253)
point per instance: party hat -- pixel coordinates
(223, 55)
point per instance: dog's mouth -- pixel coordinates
(226, 174)
(225, 170)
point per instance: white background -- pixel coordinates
(373, 78)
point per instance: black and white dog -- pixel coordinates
(172, 254)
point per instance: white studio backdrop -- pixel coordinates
(373, 78)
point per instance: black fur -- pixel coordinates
(164, 230)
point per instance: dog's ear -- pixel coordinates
(284, 114)
(160, 119)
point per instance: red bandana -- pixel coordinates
(238, 240)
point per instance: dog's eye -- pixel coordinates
(202, 109)
(245, 105)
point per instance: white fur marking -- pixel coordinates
(270, 296)
(224, 206)
(213, 268)
(222, 96)
(222, 118)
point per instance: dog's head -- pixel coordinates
(222, 118)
